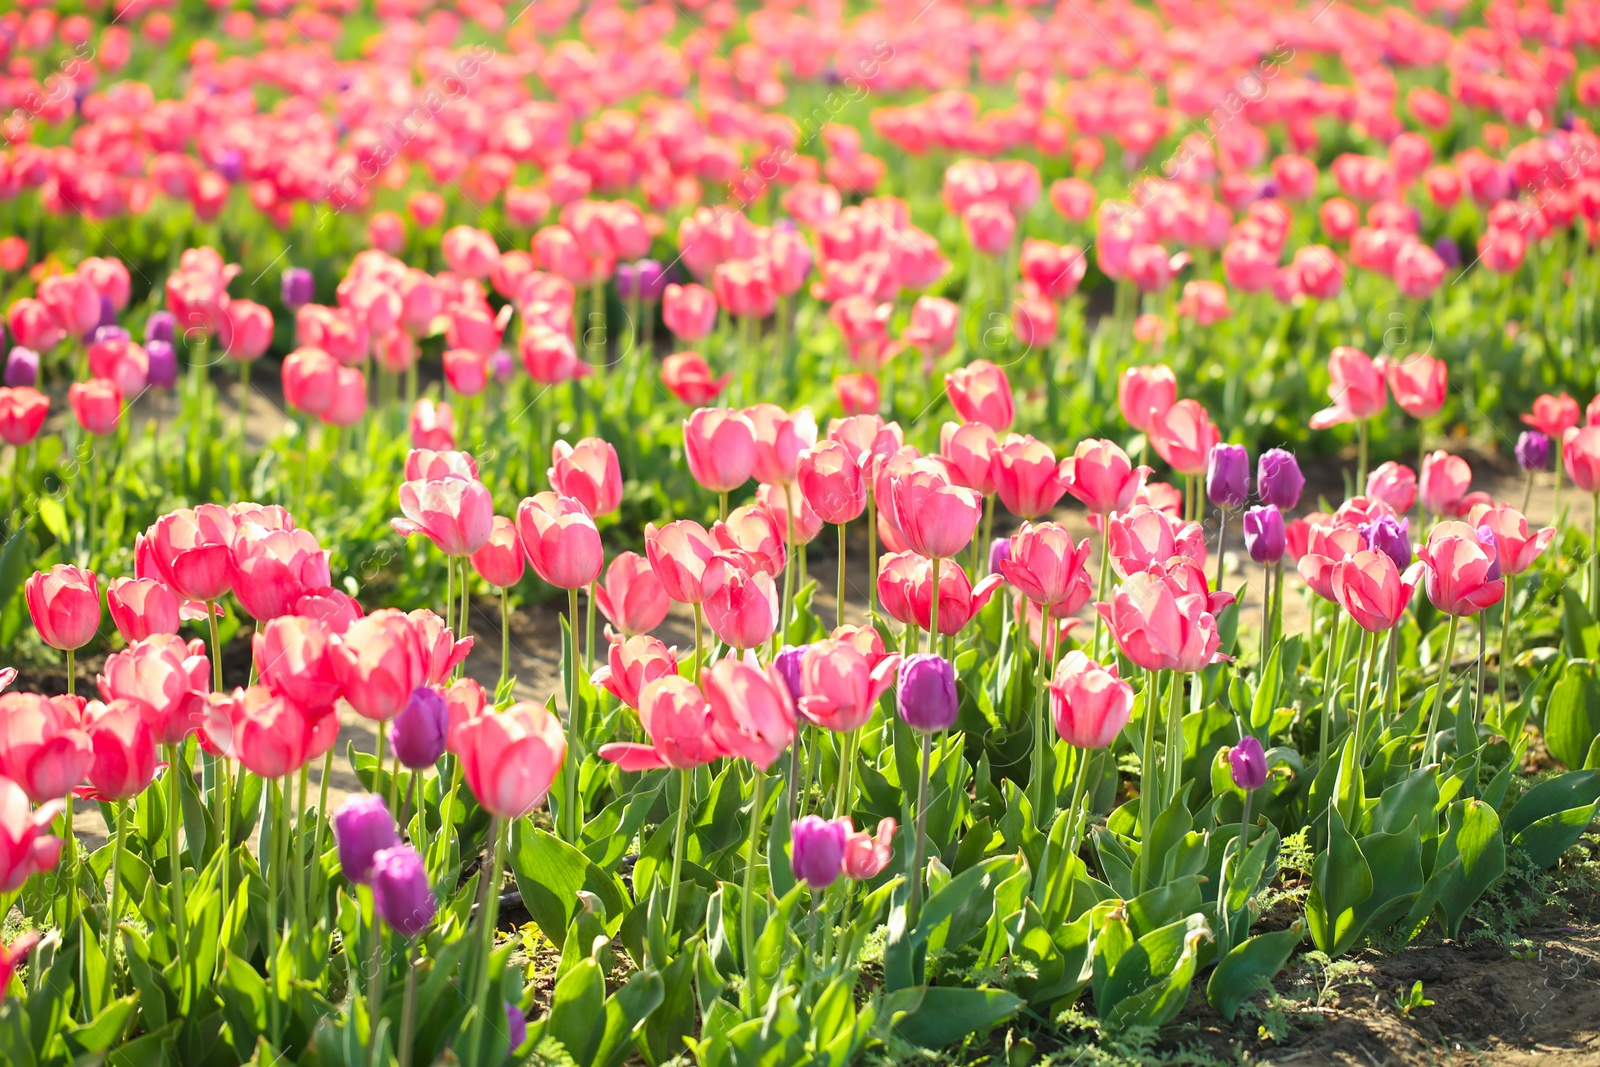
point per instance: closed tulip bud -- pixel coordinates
(1248, 764)
(97, 405)
(1580, 453)
(1102, 477)
(720, 447)
(1393, 483)
(1278, 479)
(273, 736)
(689, 311)
(297, 287)
(561, 540)
(817, 850)
(362, 828)
(589, 473)
(1443, 483)
(191, 551)
(160, 326)
(1533, 451)
(64, 603)
(926, 698)
(141, 607)
(1184, 436)
(500, 561)
(688, 377)
(1144, 394)
(418, 732)
(26, 847)
(936, 517)
(510, 758)
(840, 685)
(981, 392)
(677, 718)
(124, 749)
(401, 894)
(163, 364)
(999, 552)
(1089, 703)
(780, 437)
(1027, 477)
(1370, 586)
(743, 612)
(22, 367)
(166, 678)
(1228, 476)
(1265, 538)
(831, 483)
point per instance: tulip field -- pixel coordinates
(760, 533)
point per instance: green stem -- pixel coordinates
(180, 916)
(1174, 750)
(1147, 762)
(114, 912)
(72, 673)
(838, 616)
(1505, 646)
(569, 772)
(375, 989)
(920, 840)
(408, 1011)
(498, 829)
(747, 916)
(1431, 741)
(216, 644)
(684, 785)
(1039, 772)
(505, 638)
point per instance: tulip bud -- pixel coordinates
(516, 1026)
(297, 288)
(160, 326)
(1249, 764)
(927, 698)
(1492, 547)
(788, 666)
(362, 827)
(1391, 537)
(1264, 535)
(163, 363)
(816, 850)
(1228, 476)
(400, 890)
(22, 368)
(999, 552)
(1278, 479)
(1533, 447)
(418, 732)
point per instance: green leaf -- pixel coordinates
(578, 1010)
(1565, 791)
(1266, 698)
(1472, 854)
(935, 1016)
(1340, 880)
(1579, 630)
(626, 1010)
(549, 874)
(1572, 714)
(1249, 969)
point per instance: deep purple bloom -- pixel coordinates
(229, 164)
(418, 732)
(1448, 251)
(1264, 536)
(926, 696)
(1278, 479)
(1390, 536)
(999, 549)
(516, 1026)
(788, 665)
(362, 827)
(1228, 476)
(108, 312)
(501, 365)
(1491, 545)
(22, 366)
(1533, 451)
(107, 334)
(652, 279)
(160, 326)
(163, 363)
(816, 850)
(1248, 763)
(400, 890)
(298, 288)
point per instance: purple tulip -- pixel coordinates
(298, 288)
(362, 827)
(163, 363)
(1492, 546)
(817, 850)
(106, 334)
(229, 164)
(652, 280)
(516, 1026)
(1278, 479)
(418, 732)
(1228, 476)
(627, 279)
(22, 366)
(1533, 451)
(999, 551)
(788, 665)
(926, 696)
(501, 365)
(1249, 764)
(1448, 251)
(1264, 536)
(160, 326)
(400, 890)
(1390, 536)
(108, 312)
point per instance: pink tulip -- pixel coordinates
(560, 539)
(1515, 547)
(548, 355)
(775, 501)
(936, 516)
(1458, 576)
(26, 847)
(510, 758)
(440, 651)
(454, 513)
(1371, 588)
(1357, 388)
(830, 482)
(1027, 477)
(688, 377)
(981, 392)
(64, 603)
(1580, 454)
(1553, 416)
(191, 551)
(675, 714)
(380, 663)
(1047, 568)
(124, 750)
(840, 686)
(1142, 536)
(912, 576)
(720, 447)
(689, 311)
(686, 559)
(1395, 484)
(500, 561)
(165, 678)
(1089, 703)
(632, 664)
(1144, 394)
(1419, 384)
(1325, 547)
(1184, 436)
(300, 658)
(1443, 483)
(97, 404)
(1102, 477)
(867, 855)
(273, 569)
(141, 607)
(752, 714)
(43, 745)
(780, 438)
(1162, 626)
(432, 425)
(970, 448)
(751, 534)
(933, 325)
(273, 736)
(743, 612)
(588, 473)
